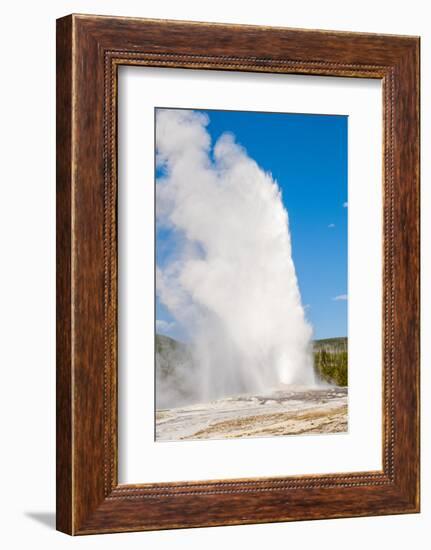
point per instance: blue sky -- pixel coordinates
(307, 156)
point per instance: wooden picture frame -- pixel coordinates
(89, 51)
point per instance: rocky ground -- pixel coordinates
(287, 411)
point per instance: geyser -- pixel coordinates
(228, 278)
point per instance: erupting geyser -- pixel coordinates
(231, 282)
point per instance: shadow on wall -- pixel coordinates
(45, 518)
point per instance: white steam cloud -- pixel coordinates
(164, 326)
(231, 283)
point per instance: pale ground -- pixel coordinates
(289, 411)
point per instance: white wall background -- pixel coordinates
(27, 288)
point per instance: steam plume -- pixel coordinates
(231, 282)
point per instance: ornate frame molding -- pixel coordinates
(90, 49)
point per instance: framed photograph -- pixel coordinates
(237, 274)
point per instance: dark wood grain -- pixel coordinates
(90, 49)
(64, 496)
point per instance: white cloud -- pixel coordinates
(331, 225)
(340, 297)
(231, 284)
(164, 326)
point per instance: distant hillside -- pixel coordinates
(330, 343)
(331, 359)
(167, 345)
(174, 373)
(175, 369)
